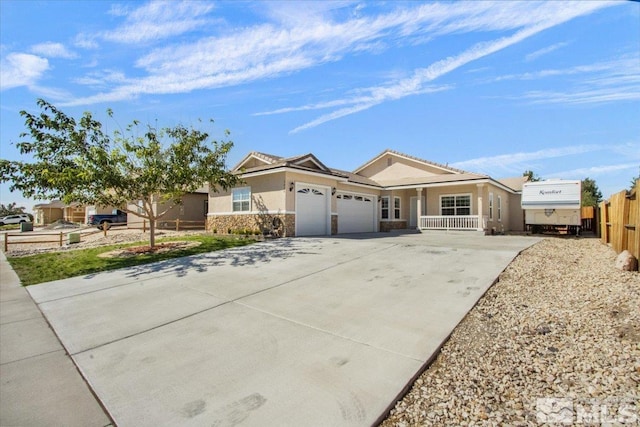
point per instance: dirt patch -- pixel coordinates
(146, 249)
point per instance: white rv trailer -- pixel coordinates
(552, 205)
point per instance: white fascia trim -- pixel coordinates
(293, 170)
(424, 163)
(369, 186)
(453, 184)
(312, 160)
(246, 159)
(504, 187)
(356, 193)
(427, 163)
(250, 213)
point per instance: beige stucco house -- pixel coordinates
(191, 213)
(47, 213)
(301, 196)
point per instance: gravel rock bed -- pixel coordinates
(561, 323)
(92, 239)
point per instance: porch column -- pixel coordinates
(480, 207)
(418, 207)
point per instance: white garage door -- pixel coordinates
(312, 211)
(356, 213)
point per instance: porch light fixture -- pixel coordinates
(292, 185)
(333, 191)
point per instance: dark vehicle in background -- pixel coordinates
(105, 221)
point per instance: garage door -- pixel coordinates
(312, 211)
(356, 213)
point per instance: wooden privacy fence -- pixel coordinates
(620, 221)
(589, 219)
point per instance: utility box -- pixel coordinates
(26, 226)
(73, 238)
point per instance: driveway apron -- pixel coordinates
(305, 331)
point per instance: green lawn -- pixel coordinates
(50, 266)
(10, 227)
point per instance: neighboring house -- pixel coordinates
(192, 211)
(301, 196)
(47, 213)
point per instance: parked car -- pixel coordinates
(14, 219)
(105, 221)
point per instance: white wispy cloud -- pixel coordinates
(625, 65)
(52, 50)
(595, 171)
(102, 79)
(86, 41)
(599, 96)
(159, 20)
(521, 160)
(21, 69)
(617, 79)
(269, 50)
(412, 86)
(540, 52)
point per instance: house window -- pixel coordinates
(241, 198)
(491, 206)
(384, 214)
(455, 204)
(396, 207)
(499, 208)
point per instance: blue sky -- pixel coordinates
(489, 87)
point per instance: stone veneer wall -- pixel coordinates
(334, 224)
(221, 224)
(392, 225)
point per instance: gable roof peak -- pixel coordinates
(267, 157)
(413, 158)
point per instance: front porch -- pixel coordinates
(455, 206)
(449, 222)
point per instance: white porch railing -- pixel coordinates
(459, 222)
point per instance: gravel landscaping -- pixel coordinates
(556, 339)
(91, 238)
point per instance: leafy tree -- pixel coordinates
(591, 195)
(633, 181)
(532, 177)
(11, 209)
(77, 161)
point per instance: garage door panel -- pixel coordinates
(311, 211)
(356, 213)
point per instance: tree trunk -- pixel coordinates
(152, 232)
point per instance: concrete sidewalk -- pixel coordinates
(305, 331)
(39, 383)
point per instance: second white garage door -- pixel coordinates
(356, 213)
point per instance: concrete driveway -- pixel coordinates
(305, 331)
